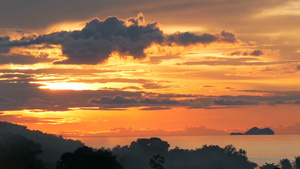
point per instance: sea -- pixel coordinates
(260, 149)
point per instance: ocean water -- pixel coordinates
(260, 149)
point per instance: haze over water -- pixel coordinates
(260, 149)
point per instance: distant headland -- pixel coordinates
(256, 131)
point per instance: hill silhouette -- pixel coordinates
(52, 146)
(256, 131)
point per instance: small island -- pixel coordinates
(256, 131)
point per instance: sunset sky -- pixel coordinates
(136, 67)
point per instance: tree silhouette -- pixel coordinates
(157, 161)
(17, 152)
(137, 155)
(297, 162)
(87, 158)
(269, 166)
(286, 164)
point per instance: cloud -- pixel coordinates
(98, 40)
(19, 76)
(32, 97)
(252, 53)
(256, 53)
(288, 130)
(153, 86)
(187, 38)
(23, 59)
(121, 131)
(297, 102)
(5, 100)
(19, 118)
(120, 101)
(3, 44)
(243, 61)
(114, 100)
(156, 102)
(156, 108)
(234, 102)
(277, 102)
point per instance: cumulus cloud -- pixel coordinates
(98, 40)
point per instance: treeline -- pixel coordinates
(21, 148)
(18, 152)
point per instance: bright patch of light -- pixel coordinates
(69, 86)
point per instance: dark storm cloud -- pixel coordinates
(99, 39)
(298, 67)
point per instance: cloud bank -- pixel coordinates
(98, 40)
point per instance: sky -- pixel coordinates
(136, 67)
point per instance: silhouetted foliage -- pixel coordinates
(137, 155)
(297, 162)
(17, 152)
(286, 164)
(52, 146)
(157, 161)
(269, 166)
(87, 158)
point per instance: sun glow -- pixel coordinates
(69, 86)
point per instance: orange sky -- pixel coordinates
(151, 68)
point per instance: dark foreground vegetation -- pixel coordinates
(19, 152)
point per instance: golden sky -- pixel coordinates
(204, 67)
